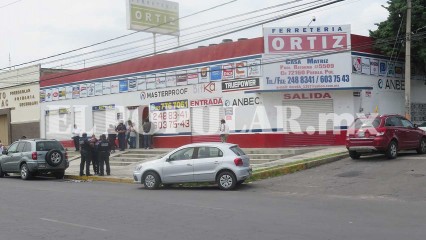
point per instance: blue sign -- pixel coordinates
(216, 73)
(124, 86)
(382, 68)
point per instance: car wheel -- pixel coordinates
(422, 147)
(25, 172)
(354, 155)
(1, 173)
(54, 158)
(392, 151)
(59, 175)
(151, 180)
(226, 180)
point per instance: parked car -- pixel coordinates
(423, 126)
(384, 134)
(223, 163)
(32, 157)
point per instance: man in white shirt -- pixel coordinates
(224, 131)
(76, 137)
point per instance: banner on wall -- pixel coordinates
(98, 88)
(83, 91)
(42, 96)
(123, 86)
(160, 80)
(365, 66)
(328, 71)
(181, 78)
(374, 67)
(254, 68)
(216, 73)
(150, 81)
(62, 93)
(68, 90)
(133, 85)
(106, 88)
(55, 94)
(141, 83)
(204, 75)
(170, 117)
(75, 91)
(171, 79)
(241, 69)
(90, 89)
(228, 71)
(192, 76)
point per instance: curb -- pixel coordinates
(284, 170)
(274, 172)
(99, 179)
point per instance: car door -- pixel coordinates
(17, 157)
(394, 126)
(179, 166)
(7, 160)
(206, 163)
(412, 135)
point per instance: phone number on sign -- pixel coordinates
(309, 79)
(171, 124)
(169, 115)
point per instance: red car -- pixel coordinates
(384, 134)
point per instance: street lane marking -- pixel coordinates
(73, 224)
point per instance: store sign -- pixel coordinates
(103, 107)
(254, 68)
(204, 75)
(243, 101)
(155, 16)
(239, 85)
(106, 88)
(228, 71)
(57, 112)
(206, 88)
(163, 93)
(115, 87)
(306, 39)
(206, 102)
(330, 71)
(123, 86)
(391, 84)
(216, 73)
(307, 96)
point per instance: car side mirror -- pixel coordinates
(5, 152)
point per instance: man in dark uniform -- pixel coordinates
(104, 149)
(85, 154)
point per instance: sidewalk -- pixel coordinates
(124, 174)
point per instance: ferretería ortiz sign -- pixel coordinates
(240, 85)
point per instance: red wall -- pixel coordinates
(269, 140)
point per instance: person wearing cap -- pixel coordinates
(85, 154)
(121, 132)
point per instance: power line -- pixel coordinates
(10, 4)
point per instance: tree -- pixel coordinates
(390, 36)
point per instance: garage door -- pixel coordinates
(58, 126)
(311, 110)
(101, 121)
(4, 130)
(205, 123)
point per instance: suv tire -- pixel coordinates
(354, 155)
(422, 146)
(226, 180)
(54, 158)
(392, 151)
(25, 172)
(1, 173)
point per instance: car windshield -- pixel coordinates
(238, 151)
(423, 124)
(365, 123)
(48, 145)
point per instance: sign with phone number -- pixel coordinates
(170, 105)
(170, 117)
(331, 71)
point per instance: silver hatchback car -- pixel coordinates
(223, 163)
(34, 156)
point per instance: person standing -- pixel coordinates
(1, 147)
(112, 135)
(104, 149)
(94, 153)
(76, 137)
(147, 135)
(224, 131)
(132, 135)
(121, 130)
(85, 154)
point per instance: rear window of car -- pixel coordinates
(366, 123)
(48, 145)
(238, 151)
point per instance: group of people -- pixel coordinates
(95, 151)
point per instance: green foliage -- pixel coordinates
(386, 35)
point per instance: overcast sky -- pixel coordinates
(32, 29)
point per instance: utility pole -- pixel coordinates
(408, 63)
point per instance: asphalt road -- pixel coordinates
(372, 198)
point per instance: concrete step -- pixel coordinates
(145, 151)
(260, 161)
(120, 164)
(287, 151)
(137, 155)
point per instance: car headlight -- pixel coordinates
(138, 167)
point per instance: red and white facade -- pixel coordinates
(296, 86)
